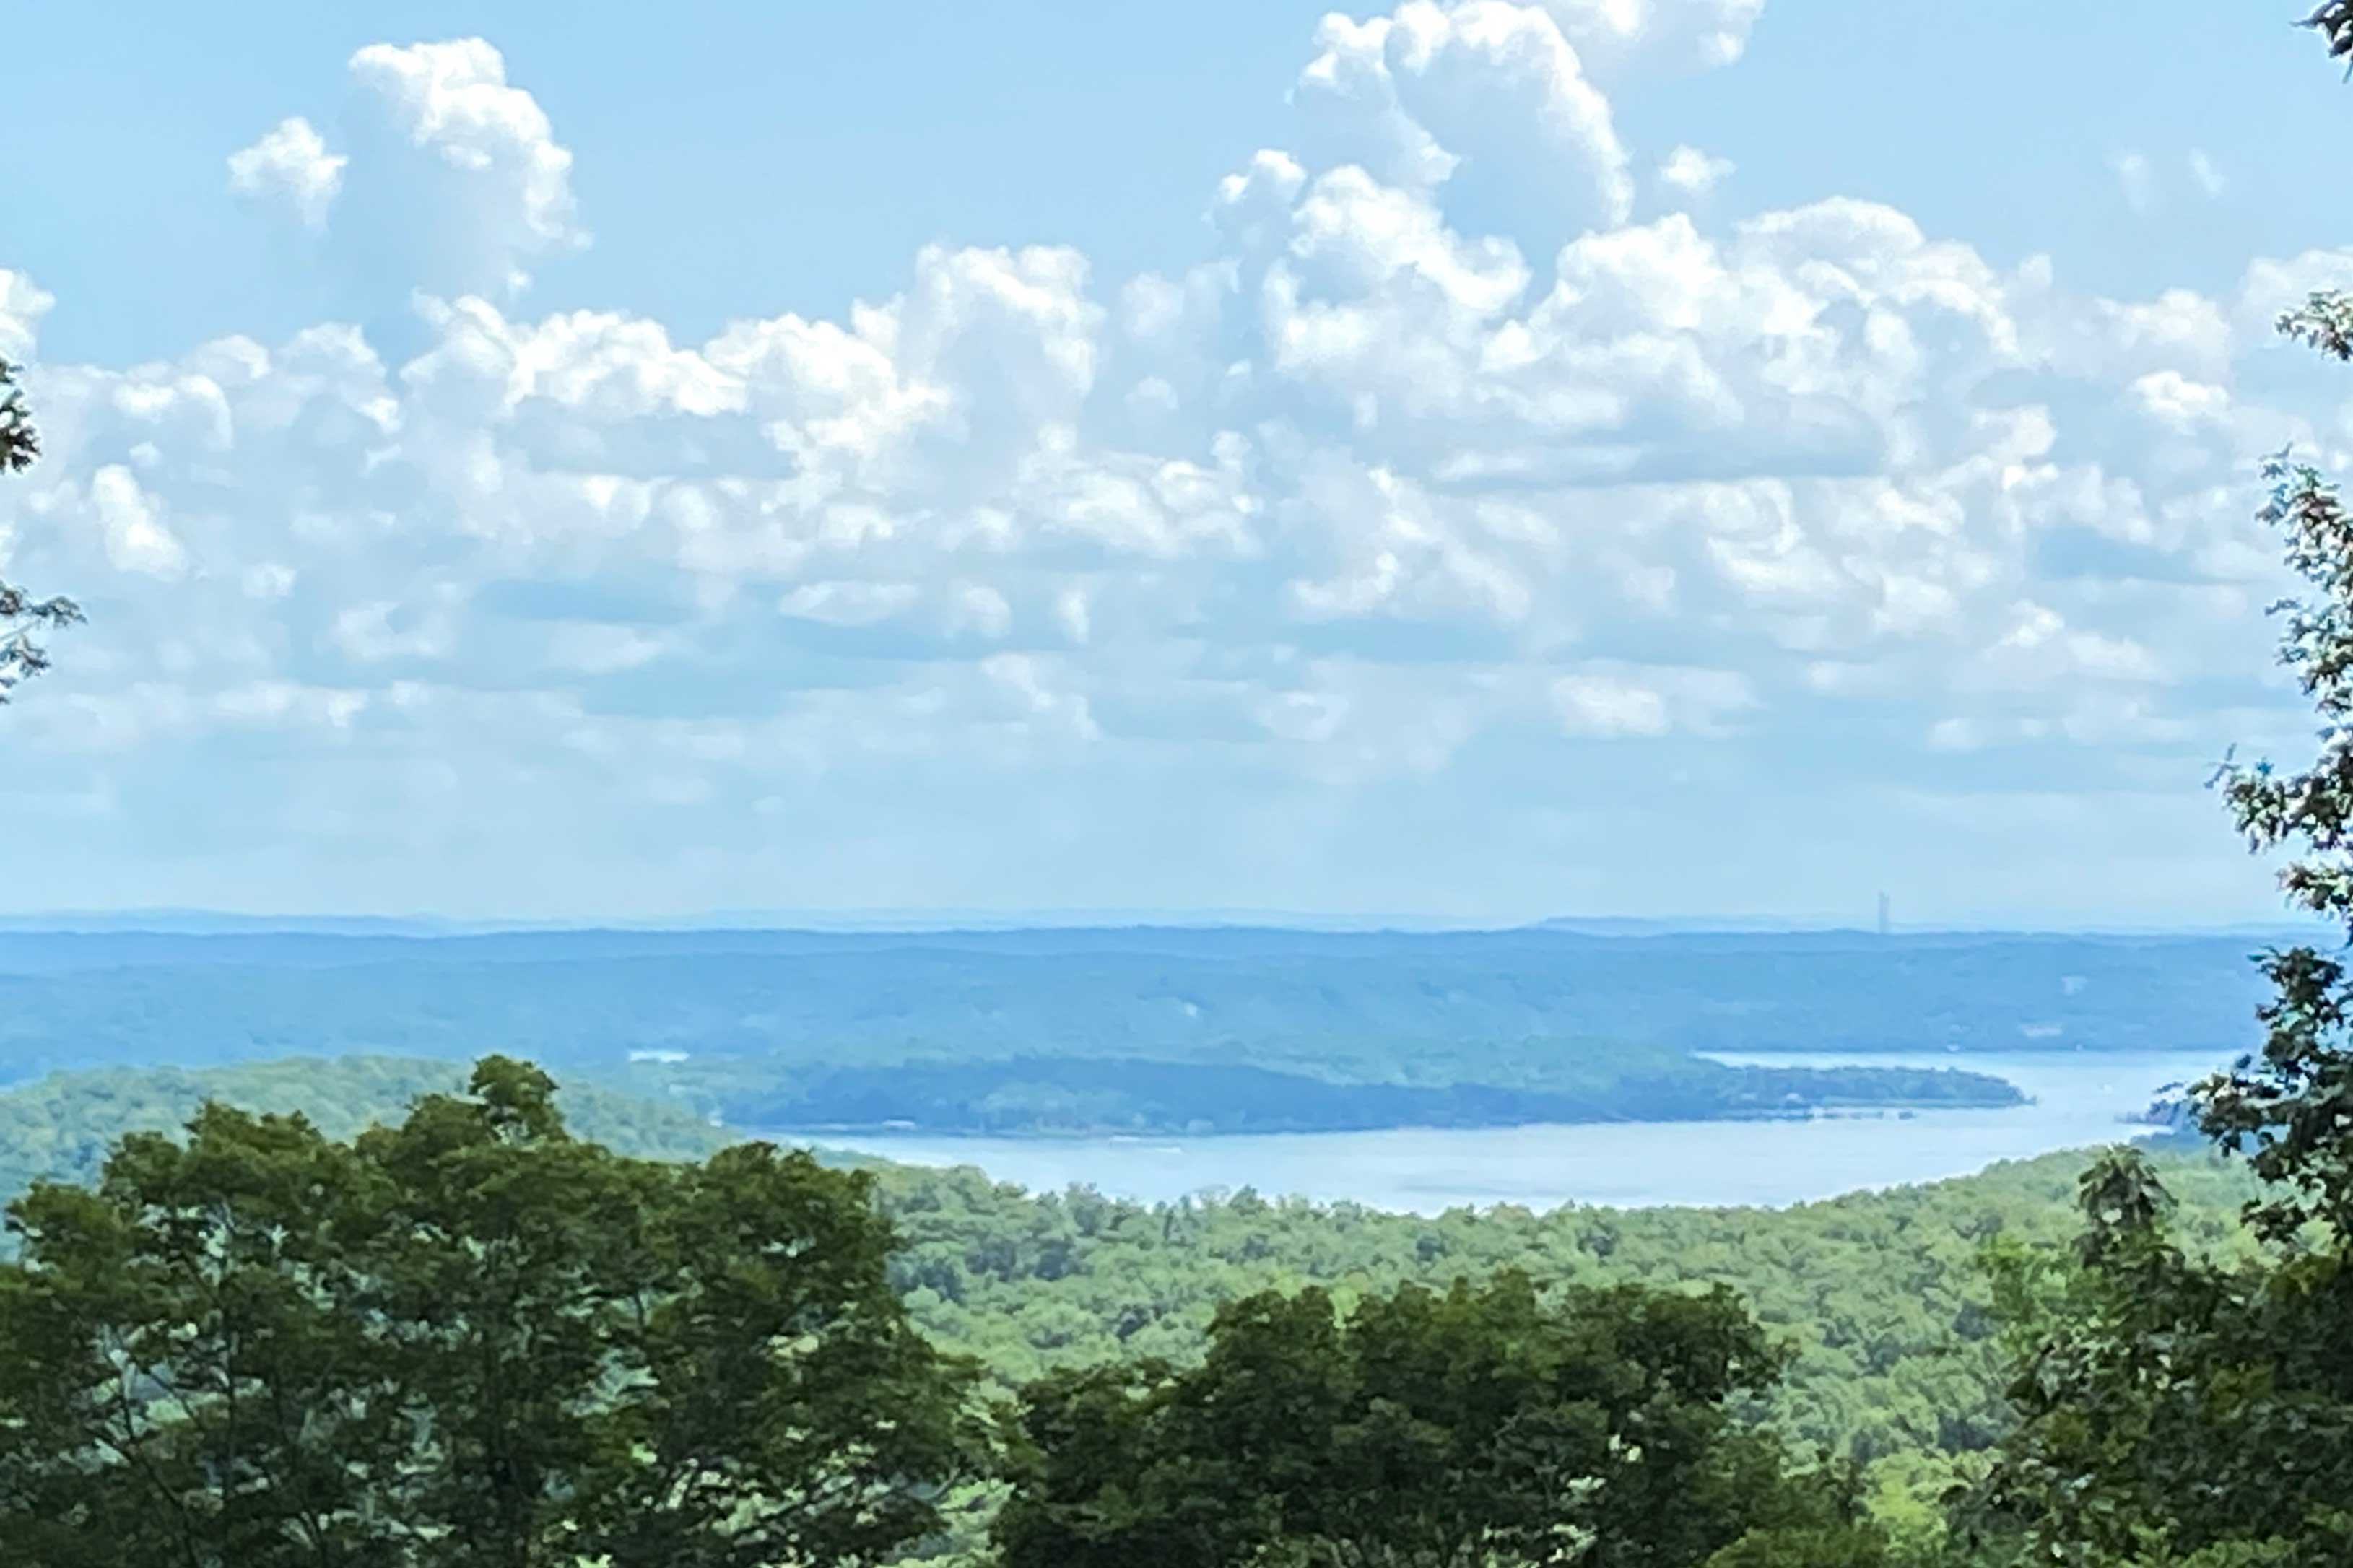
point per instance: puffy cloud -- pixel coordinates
(22, 306)
(454, 100)
(2274, 284)
(2178, 330)
(2038, 651)
(454, 181)
(281, 703)
(849, 603)
(1622, 703)
(291, 164)
(1672, 32)
(1484, 89)
(1404, 483)
(1693, 173)
(128, 519)
(1037, 701)
(2176, 401)
(380, 631)
(979, 610)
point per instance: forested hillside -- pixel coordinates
(59, 1128)
(1880, 1295)
(1223, 1030)
(1880, 1291)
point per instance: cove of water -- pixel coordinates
(2079, 1101)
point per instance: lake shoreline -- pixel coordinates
(2074, 1103)
(1868, 1110)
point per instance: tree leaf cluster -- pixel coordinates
(466, 1339)
(1481, 1424)
(24, 617)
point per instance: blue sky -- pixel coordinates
(1482, 461)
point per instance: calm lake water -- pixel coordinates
(2078, 1100)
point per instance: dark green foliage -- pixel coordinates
(2291, 1110)
(1878, 1294)
(23, 618)
(2334, 21)
(1806, 1546)
(2171, 1410)
(469, 1340)
(1483, 1424)
(20, 443)
(1896, 1360)
(790, 1416)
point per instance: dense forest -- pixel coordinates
(1882, 1300)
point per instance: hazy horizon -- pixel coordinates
(922, 921)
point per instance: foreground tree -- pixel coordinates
(1481, 1426)
(468, 1340)
(23, 618)
(2180, 1411)
(2174, 1413)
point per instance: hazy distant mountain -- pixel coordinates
(1212, 1027)
(208, 923)
(1626, 925)
(1766, 925)
(939, 922)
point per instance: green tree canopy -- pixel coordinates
(470, 1339)
(1474, 1426)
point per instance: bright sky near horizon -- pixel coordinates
(1479, 460)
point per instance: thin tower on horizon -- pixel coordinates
(1886, 926)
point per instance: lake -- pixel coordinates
(2078, 1100)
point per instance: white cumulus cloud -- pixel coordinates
(1693, 173)
(1629, 702)
(128, 519)
(291, 164)
(1688, 33)
(22, 306)
(1408, 479)
(455, 173)
(1483, 88)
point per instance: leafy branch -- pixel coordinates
(23, 618)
